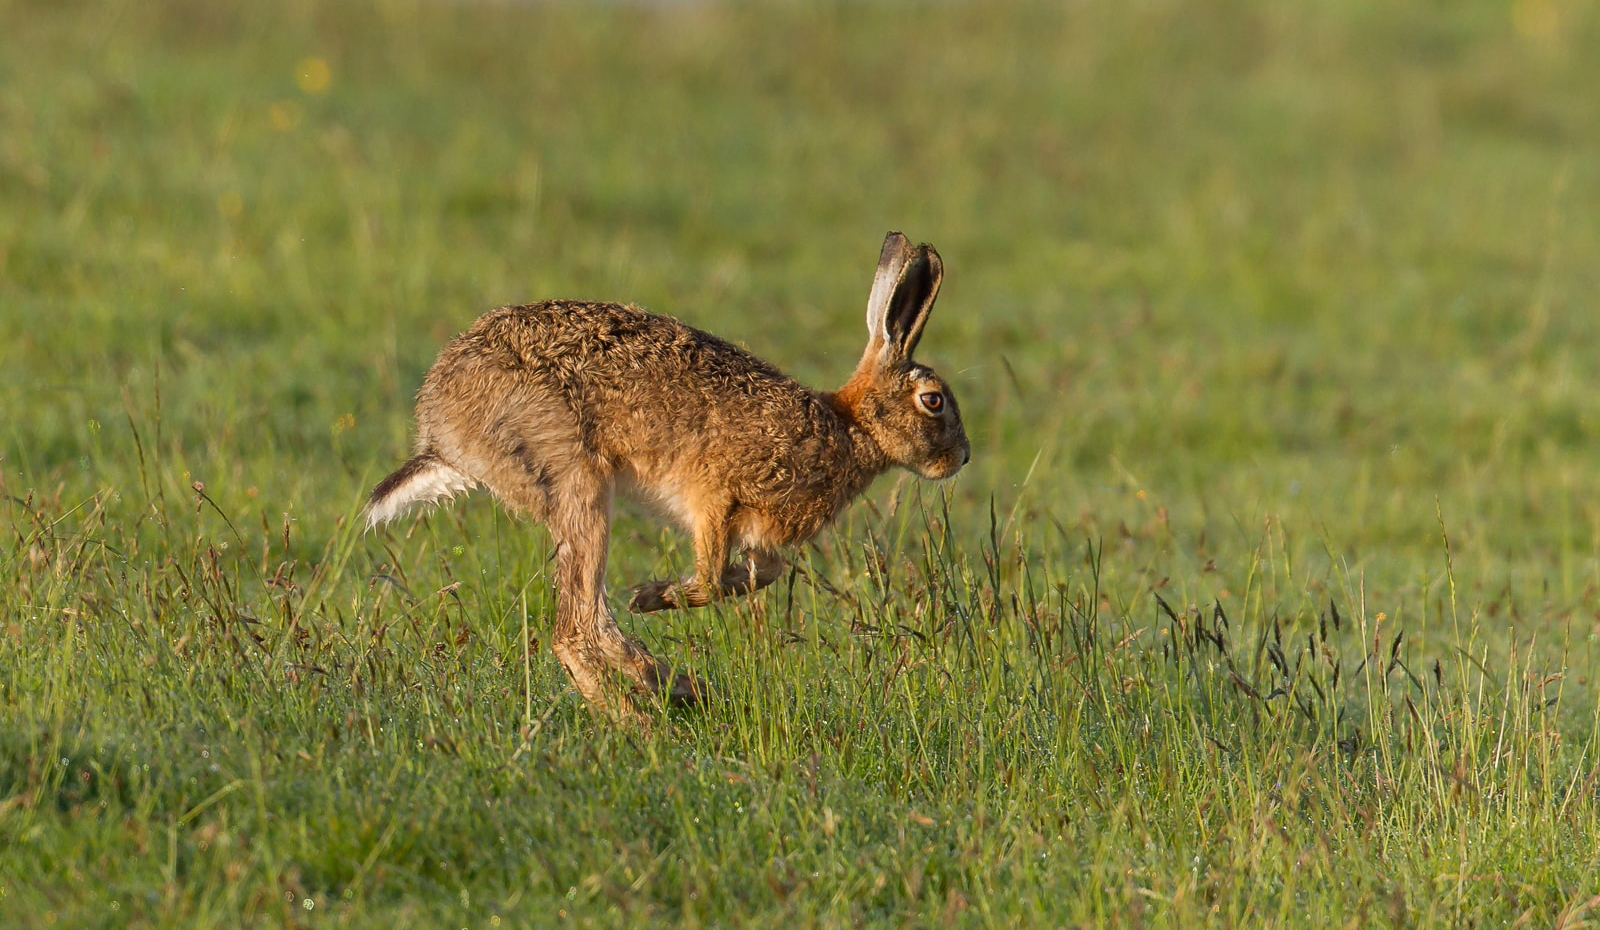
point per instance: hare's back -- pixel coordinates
(625, 375)
(603, 352)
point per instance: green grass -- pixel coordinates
(1270, 597)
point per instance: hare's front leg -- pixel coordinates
(587, 640)
(758, 568)
(713, 577)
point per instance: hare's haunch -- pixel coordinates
(555, 406)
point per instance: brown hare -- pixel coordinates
(555, 406)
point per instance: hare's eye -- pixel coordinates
(932, 401)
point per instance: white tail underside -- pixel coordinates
(429, 482)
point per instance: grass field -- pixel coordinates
(1271, 596)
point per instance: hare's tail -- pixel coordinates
(423, 479)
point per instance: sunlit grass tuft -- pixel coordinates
(906, 726)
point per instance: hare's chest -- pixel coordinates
(776, 523)
(658, 489)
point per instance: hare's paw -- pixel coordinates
(760, 568)
(653, 596)
(738, 579)
(668, 595)
(688, 690)
(655, 679)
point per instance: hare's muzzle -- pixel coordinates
(946, 466)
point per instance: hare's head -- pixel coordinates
(909, 411)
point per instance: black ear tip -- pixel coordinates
(895, 248)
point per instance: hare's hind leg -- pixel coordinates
(587, 640)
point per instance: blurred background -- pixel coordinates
(1219, 273)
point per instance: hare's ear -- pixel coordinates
(902, 294)
(909, 302)
(891, 266)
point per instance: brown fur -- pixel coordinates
(554, 406)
